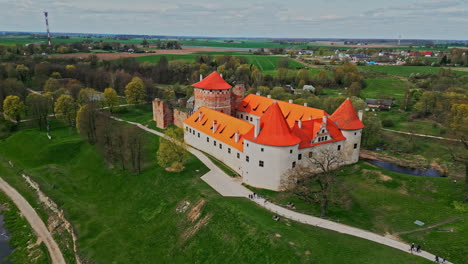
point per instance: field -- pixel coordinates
(406, 71)
(127, 218)
(246, 44)
(384, 88)
(267, 64)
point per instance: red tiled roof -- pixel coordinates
(227, 126)
(310, 129)
(275, 131)
(258, 105)
(346, 117)
(214, 81)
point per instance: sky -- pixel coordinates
(412, 19)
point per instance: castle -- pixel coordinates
(262, 138)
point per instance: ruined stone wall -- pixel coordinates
(179, 117)
(237, 94)
(163, 114)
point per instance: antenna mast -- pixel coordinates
(47, 25)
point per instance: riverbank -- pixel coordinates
(22, 239)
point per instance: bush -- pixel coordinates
(387, 123)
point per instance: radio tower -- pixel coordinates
(47, 25)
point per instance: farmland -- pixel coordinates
(384, 88)
(406, 71)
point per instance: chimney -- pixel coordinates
(299, 123)
(236, 136)
(360, 113)
(201, 77)
(290, 101)
(305, 104)
(324, 119)
(310, 117)
(200, 116)
(257, 93)
(221, 75)
(269, 96)
(215, 126)
(257, 127)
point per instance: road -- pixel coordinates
(35, 221)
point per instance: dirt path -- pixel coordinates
(35, 221)
(448, 221)
(420, 135)
(307, 64)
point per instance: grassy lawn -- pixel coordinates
(402, 122)
(127, 218)
(406, 71)
(387, 203)
(384, 88)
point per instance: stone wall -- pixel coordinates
(179, 117)
(162, 114)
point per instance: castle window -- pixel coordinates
(207, 139)
(261, 149)
(339, 147)
(251, 119)
(247, 144)
(220, 146)
(247, 118)
(214, 142)
(238, 155)
(190, 130)
(310, 154)
(193, 131)
(242, 116)
(247, 158)
(355, 133)
(355, 146)
(260, 163)
(198, 134)
(229, 150)
(290, 151)
(294, 164)
(299, 157)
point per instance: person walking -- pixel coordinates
(412, 247)
(418, 249)
(437, 259)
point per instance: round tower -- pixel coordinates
(213, 92)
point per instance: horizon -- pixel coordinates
(364, 19)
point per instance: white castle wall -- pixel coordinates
(276, 161)
(352, 137)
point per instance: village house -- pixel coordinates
(261, 138)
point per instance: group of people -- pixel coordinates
(254, 195)
(417, 249)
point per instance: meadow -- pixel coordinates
(406, 71)
(385, 88)
(126, 218)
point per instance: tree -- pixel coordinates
(86, 122)
(23, 72)
(314, 180)
(135, 146)
(38, 108)
(51, 85)
(371, 134)
(111, 98)
(66, 108)
(172, 149)
(13, 108)
(88, 95)
(354, 89)
(135, 91)
(283, 63)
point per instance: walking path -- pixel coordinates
(228, 186)
(35, 221)
(420, 135)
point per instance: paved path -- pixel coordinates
(35, 221)
(228, 186)
(419, 135)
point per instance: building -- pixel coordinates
(262, 138)
(381, 104)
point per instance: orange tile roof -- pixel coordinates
(214, 81)
(226, 126)
(275, 131)
(257, 105)
(309, 130)
(346, 117)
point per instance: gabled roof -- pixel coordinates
(227, 126)
(214, 81)
(258, 105)
(346, 117)
(309, 131)
(275, 131)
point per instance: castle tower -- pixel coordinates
(238, 94)
(162, 114)
(213, 92)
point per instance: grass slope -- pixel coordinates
(126, 218)
(384, 88)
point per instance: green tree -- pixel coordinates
(88, 95)
(111, 98)
(56, 75)
(51, 85)
(371, 134)
(38, 108)
(135, 91)
(23, 72)
(354, 89)
(13, 108)
(86, 122)
(66, 108)
(172, 149)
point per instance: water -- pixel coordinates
(5, 249)
(405, 170)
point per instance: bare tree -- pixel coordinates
(314, 180)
